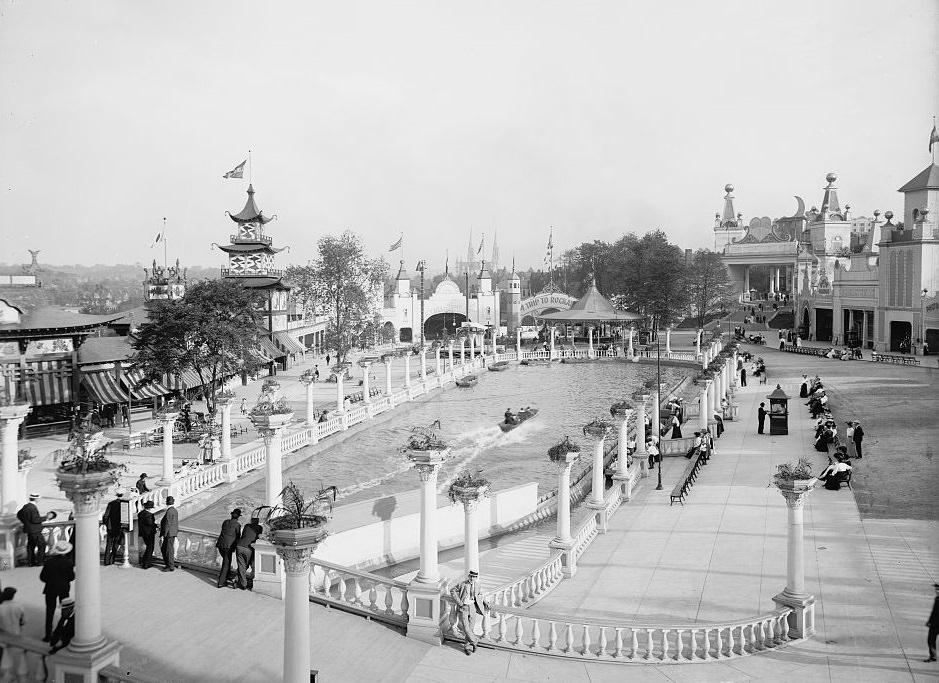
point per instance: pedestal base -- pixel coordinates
(568, 561)
(9, 527)
(269, 577)
(595, 504)
(802, 619)
(424, 612)
(624, 481)
(83, 667)
(643, 465)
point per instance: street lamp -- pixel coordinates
(421, 265)
(658, 397)
(922, 319)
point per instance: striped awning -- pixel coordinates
(190, 379)
(47, 382)
(288, 342)
(269, 349)
(132, 378)
(104, 387)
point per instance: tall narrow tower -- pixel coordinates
(514, 307)
(494, 262)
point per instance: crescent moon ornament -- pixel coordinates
(801, 210)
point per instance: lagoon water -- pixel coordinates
(370, 464)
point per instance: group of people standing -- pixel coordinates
(235, 541)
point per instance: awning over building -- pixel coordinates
(190, 379)
(104, 387)
(132, 379)
(268, 348)
(288, 342)
(47, 382)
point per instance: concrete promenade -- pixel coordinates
(720, 556)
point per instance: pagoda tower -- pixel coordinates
(251, 263)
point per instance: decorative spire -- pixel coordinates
(495, 249)
(251, 213)
(728, 217)
(403, 273)
(830, 200)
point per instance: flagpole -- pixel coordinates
(249, 167)
(164, 243)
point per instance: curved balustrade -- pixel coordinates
(331, 426)
(294, 441)
(250, 460)
(199, 481)
(24, 658)
(513, 629)
(356, 415)
(584, 535)
(530, 588)
(360, 592)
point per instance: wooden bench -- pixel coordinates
(804, 350)
(687, 479)
(896, 360)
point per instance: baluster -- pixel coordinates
(618, 651)
(502, 626)
(342, 587)
(649, 645)
(741, 641)
(718, 644)
(633, 644)
(784, 628)
(405, 604)
(356, 591)
(535, 633)
(664, 654)
(749, 645)
(679, 644)
(373, 597)
(568, 639)
(706, 645)
(530, 585)
(552, 636)
(487, 624)
(518, 631)
(585, 641)
(761, 638)
(601, 646)
(389, 601)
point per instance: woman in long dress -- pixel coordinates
(676, 427)
(804, 390)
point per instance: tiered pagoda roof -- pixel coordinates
(251, 252)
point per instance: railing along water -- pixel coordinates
(363, 593)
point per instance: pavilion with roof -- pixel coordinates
(592, 309)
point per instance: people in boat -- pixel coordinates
(510, 417)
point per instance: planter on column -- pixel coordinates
(307, 379)
(366, 390)
(794, 490)
(387, 359)
(564, 455)
(597, 431)
(427, 452)
(271, 426)
(641, 454)
(621, 412)
(467, 489)
(167, 419)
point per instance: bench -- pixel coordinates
(896, 360)
(804, 350)
(687, 479)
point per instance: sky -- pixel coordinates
(434, 119)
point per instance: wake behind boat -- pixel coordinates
(517, 418)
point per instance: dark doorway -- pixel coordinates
(900, 332)
(405, 334)
(804, 328)
(823, 324)
(443, 324)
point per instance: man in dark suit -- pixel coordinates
(57, 573)
(469, 602)
(146, 528)
(169, 529)
(115, 532)
(32, 527)
(227, 538)
(244, 551)
(933, 625)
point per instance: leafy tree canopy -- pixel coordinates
(213, 331)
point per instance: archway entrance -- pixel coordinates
(388, 332)
(823, 324)
(405, 335)
(900, 334)
(441, 325)
(806, 323)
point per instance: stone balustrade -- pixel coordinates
(250, 459)
(363, 593)
(680, 446)
(24, 658)
(511, 628)
(530, 588)
(583, 536)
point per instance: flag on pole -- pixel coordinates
(481, 242)
(933, 137)
(158, 238)
(238, 171)
(397, 245)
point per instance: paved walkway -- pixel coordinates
(721, 555)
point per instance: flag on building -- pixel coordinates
(397, 245)
(238, 171)
(933, 137)
(481, 242)
(159, 237)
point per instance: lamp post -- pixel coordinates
(922, 320)
(658, 394)
(421, 265)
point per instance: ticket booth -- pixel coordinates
(778, 411)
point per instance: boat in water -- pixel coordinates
(536, 361)
(521, 416)
(467, 381)
(500, 366)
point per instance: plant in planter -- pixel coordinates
(270, 386)
(619, 408)
(641, 395)
(468, 484)
(425, 439)
(789, 473)
(598, 427)
(300, 519)
(308, 376)
(558, 452)
(86, 463)
(225, 395)
(279, 407)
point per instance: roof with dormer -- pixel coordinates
(251, 213)
(927, 179)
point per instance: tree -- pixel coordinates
(344, 284)
(709, 285)
(213, 331)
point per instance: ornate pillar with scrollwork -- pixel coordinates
(802, 619)
(167, 419)
(296, 612)
(366, 390)
(11, 417)
(563, 540)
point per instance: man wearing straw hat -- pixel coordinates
(32, 527)
(469, 601)
(57, 573)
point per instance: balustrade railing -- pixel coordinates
(356, 415)
(530, 588)
(24, 658)
(250, 459)
(360, 592)
(331, 426)
(197, 548)
(676, 446)
(514, 629)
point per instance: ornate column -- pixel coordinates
(167, 419)
(423, 364)
(340, 391)
(224, 403)
(656, 413)
(802, 620)
(703, 404)
(641, 454)
(563, 540)
(632, 329)
(366, 390)
(668, 339)
(387, 361)
(271, 428)
(424, 589)
(518, 343)
(597, 434)
(307, 380)
(11, 417)
(296, 612)
(712, 404)
(462, 350)
(469, 495)
(734, 373)
(450, 355)
(621, 412)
